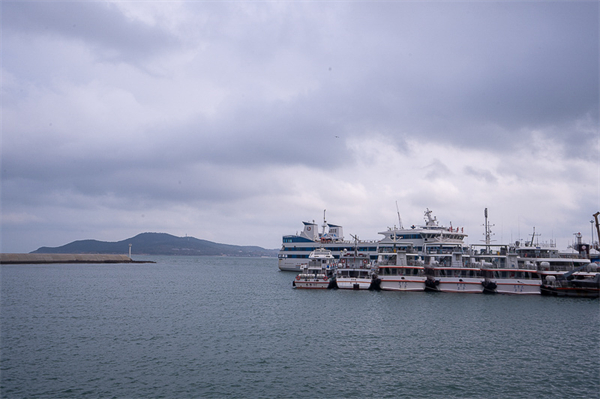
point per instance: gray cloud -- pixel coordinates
(204, 105)
(99, 24)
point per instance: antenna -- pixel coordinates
(399, 219)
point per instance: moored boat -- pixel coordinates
(501, 269)
(318, 273)
(449, 273)
(355, 271)
(575, 283)
(414, 247)
(502, 272)
(400, 271)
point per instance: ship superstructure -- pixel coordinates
(296, 248)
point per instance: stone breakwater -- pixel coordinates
(65, 258)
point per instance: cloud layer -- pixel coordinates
(234, 122)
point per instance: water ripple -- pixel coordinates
(224, 327)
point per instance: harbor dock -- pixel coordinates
(16, 259)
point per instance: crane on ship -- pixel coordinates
(595, 215)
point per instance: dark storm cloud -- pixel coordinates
(464, 72)
(95, 23)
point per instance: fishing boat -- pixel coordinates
(501, 269)
(400, 270)
(318, 273)
(452, 273)
(549, 261)
(502, 272)
(586, 284)
(355, 271)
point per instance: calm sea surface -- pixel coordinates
(223, 327)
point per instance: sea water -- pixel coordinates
(213, 327)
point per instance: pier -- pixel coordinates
(16, 259)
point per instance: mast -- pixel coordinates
(324, 223)
(488, 228)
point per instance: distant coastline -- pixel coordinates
(33, 259)
(158, 244)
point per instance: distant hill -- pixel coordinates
(157, 244)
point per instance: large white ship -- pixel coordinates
(296, 248)
(428, 240)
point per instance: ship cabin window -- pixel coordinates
(353, 273)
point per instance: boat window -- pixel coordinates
(504, 274)
(519, 275)
(535, 275)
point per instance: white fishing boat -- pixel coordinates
(452, 273)
(400, 271)
(296, 248)
(355, 271)
(502, 272)
(501, 269)
(318, 272)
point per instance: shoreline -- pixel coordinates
(23, 259)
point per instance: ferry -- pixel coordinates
(355, 272)
(296, 248)
(318, 273)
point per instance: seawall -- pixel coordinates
(65, 258)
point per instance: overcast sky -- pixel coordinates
(236, 121)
